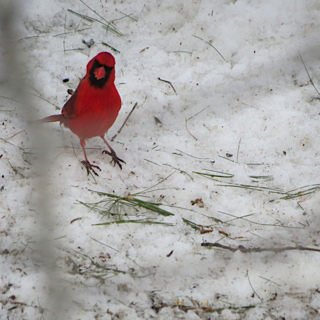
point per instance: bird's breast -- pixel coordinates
(95, 112)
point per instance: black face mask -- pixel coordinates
(101, 82)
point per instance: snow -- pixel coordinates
(241, 102)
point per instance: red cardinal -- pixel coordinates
(94, 106)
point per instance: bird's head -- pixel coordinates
(100, 70)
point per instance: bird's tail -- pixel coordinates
(54, 118)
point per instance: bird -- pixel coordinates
(93, 107)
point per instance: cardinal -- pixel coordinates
(93, 107)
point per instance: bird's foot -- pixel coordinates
(90, 167)
(115, 158)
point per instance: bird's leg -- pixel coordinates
(113, 154)
(86, 162)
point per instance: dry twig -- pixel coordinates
(212, 47)
(166, 81)
(311, 81)
(252, 250)
(125, 121)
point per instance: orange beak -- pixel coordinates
(100, 73)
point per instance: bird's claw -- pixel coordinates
(115, 158)
(90, 167)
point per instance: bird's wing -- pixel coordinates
(69, 109)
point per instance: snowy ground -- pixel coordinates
(241, 103)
